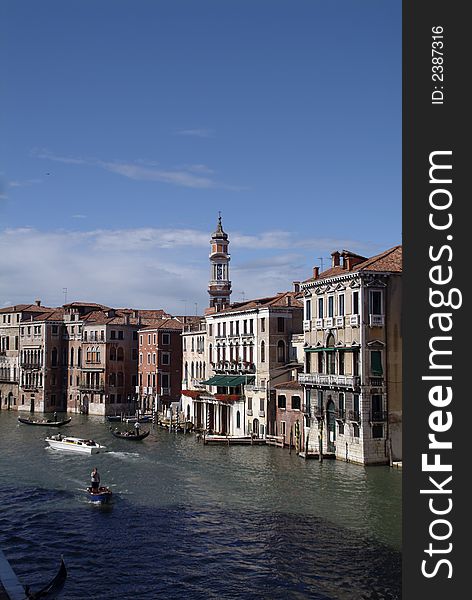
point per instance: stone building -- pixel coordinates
(81, 358)
(160, 364)
(352, 377)
(246, 349)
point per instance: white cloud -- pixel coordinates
(194, 176)
(147, 267)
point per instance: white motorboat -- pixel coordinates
(73, 444)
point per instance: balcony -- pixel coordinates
(262, 413)
(355, 415)
(249, 412)
(329, 380)
(339, 321)
(376, 320)
(318, 412)
(306, 325)
(340, 414)
(378, 416)
(92, 387)
(33, 366)
(318, 323)
(328, 322)
(376, 381)
(249, 389)
(354, 320)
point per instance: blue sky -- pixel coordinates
(126, 125)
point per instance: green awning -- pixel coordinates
(229, 380)
(214, 380)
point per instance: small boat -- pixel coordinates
(52, 589)
(73, 444)
(133, 419)
(174, 425)
(129, 435)
(113, 418)
(103, 495)
(44, 422)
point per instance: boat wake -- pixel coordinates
(126, 455)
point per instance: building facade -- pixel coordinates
(352, 376)
(160, 365)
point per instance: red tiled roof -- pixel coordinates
(288, 385)
(389, 261)
(279, 300)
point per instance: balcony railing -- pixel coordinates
(262, 413)
(319, 323)
(254, 388)
(339, 321)
(31, 365)
(354, 320)
(306, 325)
(249, 412)
(91, 387)
(340, 414)
(376, 320)
(376, 381)
(355, 415)
(335, 380)
(318, 412)
(378, 415)
(328, 322)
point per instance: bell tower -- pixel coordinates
(219, 287)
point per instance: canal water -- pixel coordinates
(196, 522)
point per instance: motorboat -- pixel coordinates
(74, 444)
(102, 495)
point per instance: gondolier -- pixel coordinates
(95, 480)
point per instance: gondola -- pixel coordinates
(129, 435)
(44, 422)
(52, 589)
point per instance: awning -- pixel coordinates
(214, 380)
(229, 380)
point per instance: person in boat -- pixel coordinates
(95, 480)
(55, 416)
(136, 427)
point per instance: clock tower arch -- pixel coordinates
(219, 287)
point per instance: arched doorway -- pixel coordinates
(331, 426)
(255, 427)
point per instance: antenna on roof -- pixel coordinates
(242, 295)
(321, 259)
(64, 291)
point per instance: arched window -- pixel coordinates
(54, 357)
(330, 355)
(72, 357)
(120, 379)
(238, 419)
(79, 357)
(186, 372)
(262, 351)
(112, 353)
(281, 352)
(210, 352)
(120, 355)
(188, 412)
(112, 379)
(192, 370)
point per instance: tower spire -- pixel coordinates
(219, 287)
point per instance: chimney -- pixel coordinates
(288, 300)
(296, 286)
(335, 258)
(135, 314)
(127, 319)
(37, 302)
(316, 272)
